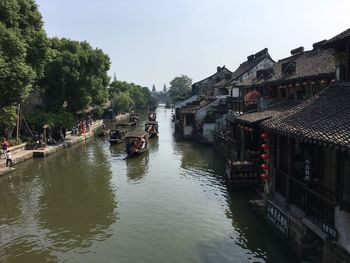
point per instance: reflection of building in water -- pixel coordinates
(137, 167)
(194, 155)
(251, 231)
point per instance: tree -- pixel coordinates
(139, 95)
(164, 88)
(121, 101)
(75, 76)
(23, 49)
(180, 88)
(154, 88)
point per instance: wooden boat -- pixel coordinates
(117, 135)
(136, 143)
(152, 128)
(134, 117)
(152, 116)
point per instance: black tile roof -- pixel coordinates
(309, 64)
(220, 70)
(250, 63)
(337, 39)
(272, 111)
(193, 108)
(322, 119)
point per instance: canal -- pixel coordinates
(171, 204)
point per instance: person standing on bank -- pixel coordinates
(4, 146)
(8, 158)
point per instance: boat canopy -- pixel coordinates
(122, 125)
(137, 134)
(151, 123)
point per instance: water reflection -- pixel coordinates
(153, 145)
(117, 151)
(64, 211)
(137, 167)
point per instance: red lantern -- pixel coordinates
(264, 135)
(250, 129)
(265, 156)
(264, 176)
(264, 166)
(265, 146)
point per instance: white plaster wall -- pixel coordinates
(184, 102)
(208, 131)
(235, 92)
(188, 131)
(202, 112)
(342, 224)
(251, 74)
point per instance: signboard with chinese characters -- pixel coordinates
(307, 166)
(331, 231)
(277, 219)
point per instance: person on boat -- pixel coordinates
(136, 146)
(143, 143)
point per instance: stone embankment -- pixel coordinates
(20, 154)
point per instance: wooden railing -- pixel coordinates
(281, 183)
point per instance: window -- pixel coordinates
(189, 119)
(283, 153)
(328, 169)
(345, 174)
(288, 68)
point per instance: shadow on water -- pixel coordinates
(55, 218)
(137, 167)
(252, 232)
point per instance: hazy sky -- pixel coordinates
(153, 41)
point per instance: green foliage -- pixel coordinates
(75, 76)
(180, 88)
(121, 102)
(23, 49)
(14, 141)
(140, 96)
(40, 118)
(8, 118)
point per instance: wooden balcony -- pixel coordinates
(242, 173)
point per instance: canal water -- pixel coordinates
(171, 204)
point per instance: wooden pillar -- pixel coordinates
(347, 73)
(290, 164)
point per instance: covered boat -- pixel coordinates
(152, 128)
(152, 116)
(134, 117)
(136, 142)
(117, 135)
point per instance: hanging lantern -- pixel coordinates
(304, 83)
(246, 128)
(264, 176)
(290, 85)
(312, 83)
(265, 146)
(264, 166)
(322, 81)
(333, 80)
(250, 129)
(265, 156)
(297, 85)
(264, 136)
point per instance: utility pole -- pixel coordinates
(18, 120)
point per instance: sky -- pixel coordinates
(152, 41)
